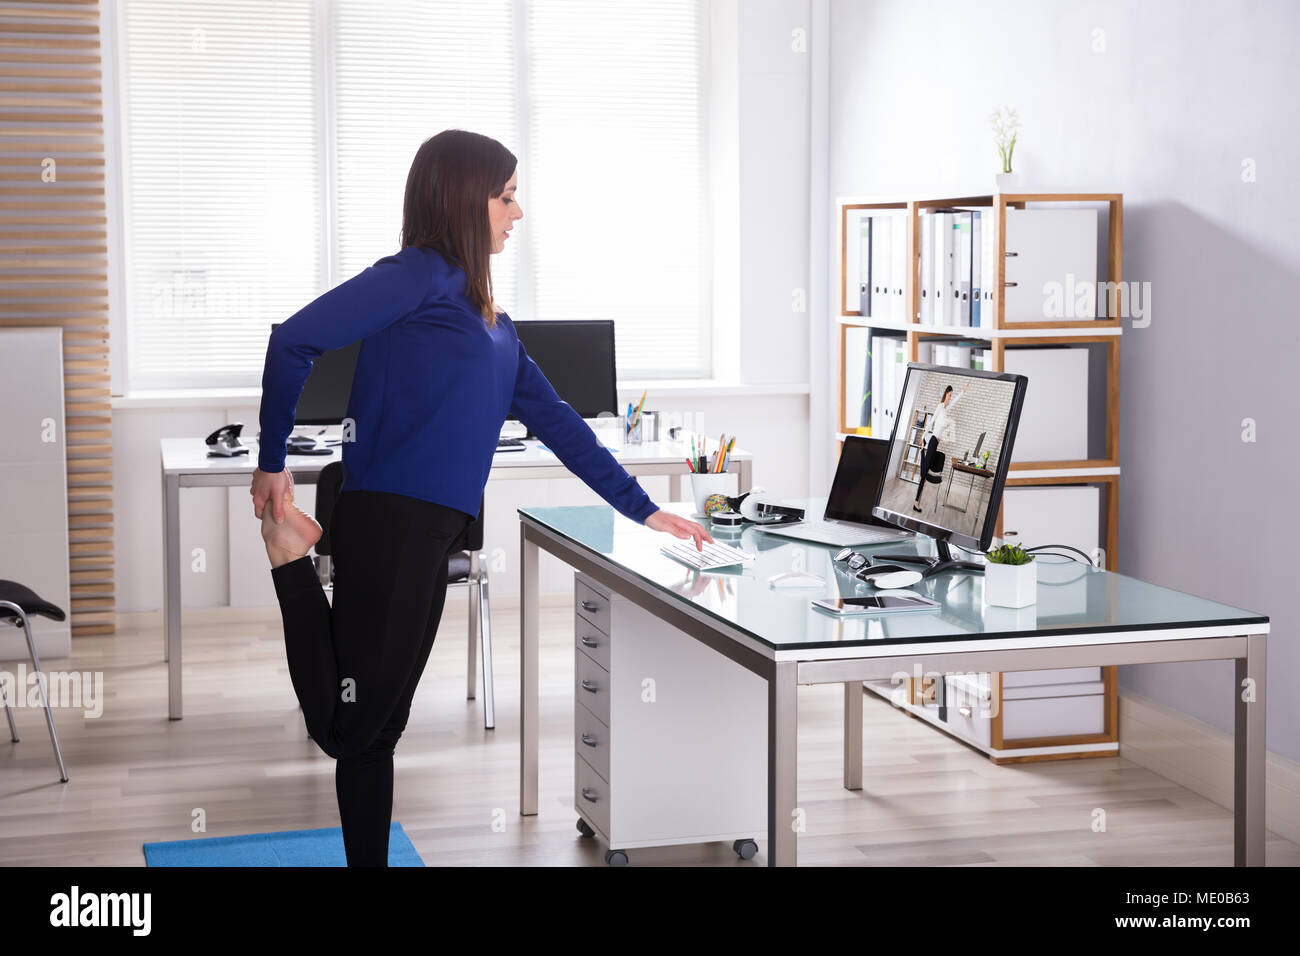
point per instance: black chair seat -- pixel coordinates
(28, 600)
(457, 566)
(935, 474)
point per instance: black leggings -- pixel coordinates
(355, 666)
(927, 458)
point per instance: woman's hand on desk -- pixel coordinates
(678, 527)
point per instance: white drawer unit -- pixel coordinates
(670, 737)
(591, 640)
(1053, 716)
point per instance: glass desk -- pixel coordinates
(1084, 617)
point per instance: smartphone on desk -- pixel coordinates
(876, 604)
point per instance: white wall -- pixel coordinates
(1182, 92)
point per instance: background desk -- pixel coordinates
(185, 465)
(1085, 617)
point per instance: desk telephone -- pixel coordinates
(225, 441)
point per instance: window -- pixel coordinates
(266, 146)
(224, 191)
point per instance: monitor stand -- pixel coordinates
(943, 562)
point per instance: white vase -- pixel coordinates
(1010, 585)
(1007, 182)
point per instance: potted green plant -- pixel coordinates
(1010, 577)
(984, 460)
(1006, 130)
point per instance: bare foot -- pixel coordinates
(293, 537)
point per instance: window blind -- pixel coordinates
(268, 145)
(404, 70)
(223, 185)
(615, 206)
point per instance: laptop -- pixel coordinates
(848, 520)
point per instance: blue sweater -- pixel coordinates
(433, 386)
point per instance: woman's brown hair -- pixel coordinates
(452, 177)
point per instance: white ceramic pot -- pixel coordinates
(1011, 585)
(1007, 182)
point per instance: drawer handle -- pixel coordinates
(590, 686)
(590, 606)
(589, 794)
(589, 642)
(964, 711)
(589, 740)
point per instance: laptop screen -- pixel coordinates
(857, 481)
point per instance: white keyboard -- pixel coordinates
(713, 556)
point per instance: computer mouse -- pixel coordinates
(795, 579)
(897, 579)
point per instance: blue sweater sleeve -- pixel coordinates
(552, 419)
(377, 297)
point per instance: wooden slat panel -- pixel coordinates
(43, 42)
(89, 520)
(53, 248)
(73, 162)
(49, 8)
(60, 187)
(21, 98)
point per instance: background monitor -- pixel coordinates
(958, 499)
(577, 358)
(324, 398)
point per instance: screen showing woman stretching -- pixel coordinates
(950, 450)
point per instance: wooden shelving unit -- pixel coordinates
(1103, 472)
(909, 467)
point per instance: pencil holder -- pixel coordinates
(632, 433)
(708, 483)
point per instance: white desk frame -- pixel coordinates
(785, 670)
(185, 465)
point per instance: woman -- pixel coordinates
(937, 428)
(439, 369)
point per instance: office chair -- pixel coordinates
(463, 568)
(935, 475)
(16, 604)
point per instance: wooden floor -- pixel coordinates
(241, 756)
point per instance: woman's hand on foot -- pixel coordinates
(271, 487)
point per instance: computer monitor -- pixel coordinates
(577, 358)
(324, 398)
(928, 488)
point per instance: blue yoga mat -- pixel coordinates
(286, 848)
